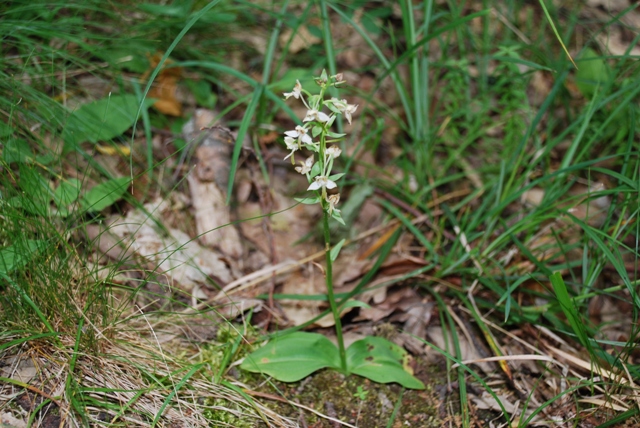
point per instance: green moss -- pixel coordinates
(222, 412)
(358, 401)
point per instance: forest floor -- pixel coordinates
(153, 237)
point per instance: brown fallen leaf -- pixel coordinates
(302, 39)
(207, 184)
(511, 405)
(9, 421)
(186, 265)
(417, 316)
(165, 86)
(435, 335)
(115, 150)
(19, 369)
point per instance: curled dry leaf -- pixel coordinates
(468, 351)
(302, 39)
(488, 402)
(187, 265)
(208, 182)
(19, 369)
(164, 87)
(8, 420)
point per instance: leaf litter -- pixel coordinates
(199, 270)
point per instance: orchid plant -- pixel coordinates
(293, 356)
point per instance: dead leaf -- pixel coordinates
(207, 184)
(7, 420)
(286, 227)
(418, 317)
(185, 263)
(488, 402)
(115, 150)
(21, 370)
(435, 334)
(302, 39)
(532, 197)
(231, 307)
(301, 311)
(165, 86)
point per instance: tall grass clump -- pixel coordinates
(72, 78)
(47, 289)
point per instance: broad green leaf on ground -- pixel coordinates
(204, 95)
(593, 72)
(36, 193)
(67, 193)
(293, 356)
(16, 150)
(381, 361)
(102, 120)
(5, 130)
(15, 256)
(105, 194)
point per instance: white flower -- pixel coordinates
(300, 133)
(333, 201)
(305, 167)
(349, 110)
(316, 115)
(295, 93)
(333, 152)
(292, 144)
(344, 108)
(322, 181)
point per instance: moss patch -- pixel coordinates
(360, 402)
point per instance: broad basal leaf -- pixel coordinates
(105, 194)
(17, 150)
(381, 361)
(67, 192)
(36, 193)
(593, 72)
(15, 256)
(294, 356)
(102, 120)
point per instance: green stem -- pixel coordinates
(330, 295)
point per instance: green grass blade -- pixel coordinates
(402, 93)
(196, 17)
(555, 31)
(30, 302)
(406, 7)
(412, 228)
(242, 131)
(569, 155)
(569, 308)
(174, 392)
